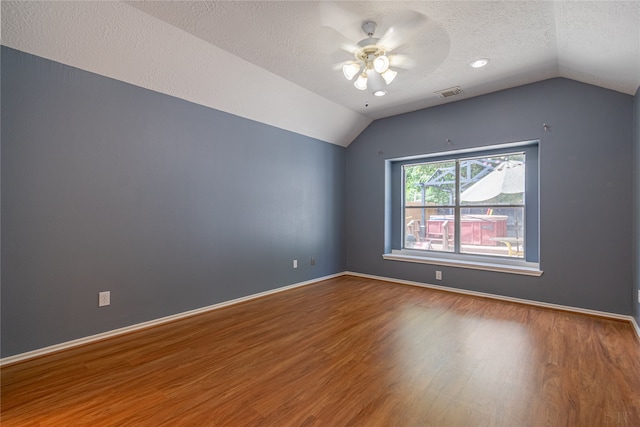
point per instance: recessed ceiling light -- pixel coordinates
(479, 63)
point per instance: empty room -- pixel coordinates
(319, 213)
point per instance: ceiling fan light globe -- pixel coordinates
(350, 70)
(389, 75)
(381, 64)
(379, 93)
(361, 82)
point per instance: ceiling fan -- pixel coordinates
(373, 56)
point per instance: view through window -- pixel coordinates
(471, 205)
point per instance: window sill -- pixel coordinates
(474, 263)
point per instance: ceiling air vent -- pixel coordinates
(447, 93)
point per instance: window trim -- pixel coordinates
(393, 251)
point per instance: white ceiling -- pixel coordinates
(274, 62)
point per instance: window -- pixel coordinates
(477, 206)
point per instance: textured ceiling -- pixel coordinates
(275, 62)
(288, 39)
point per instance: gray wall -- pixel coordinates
(636, 206)
(169, 205)
(585, 189)
(173, 206)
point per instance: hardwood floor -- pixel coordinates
(347, 351)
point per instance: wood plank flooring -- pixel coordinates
(347, 351)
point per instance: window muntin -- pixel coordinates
(466, 205)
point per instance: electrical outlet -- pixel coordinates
(438, 275)
(104, 298)
(313, 261)
(295, 263)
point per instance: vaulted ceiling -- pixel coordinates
(277, 62)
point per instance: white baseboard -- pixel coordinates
(635, 326)
(138, 326)
(506, 298)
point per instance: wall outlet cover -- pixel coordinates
(104, 298)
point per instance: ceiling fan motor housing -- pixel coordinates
(368, 54)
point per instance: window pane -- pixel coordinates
(440, 229)
(414, 222)
(492, 180)
(492, 231)
(430, 184)
(413, 229)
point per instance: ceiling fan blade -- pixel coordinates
(343, 21)
(326, 40)
(337, 66)
(402, 61)
(340, 57)
(403, 29)
(349, 47)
